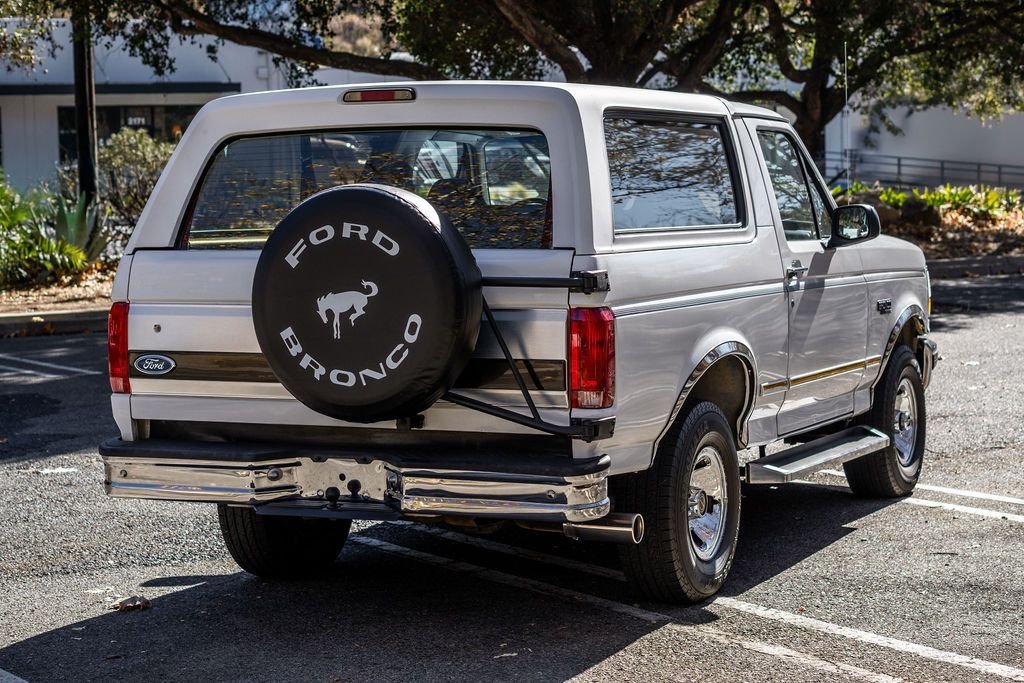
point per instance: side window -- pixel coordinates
(822, 208)
(789, 182)
(669, 174)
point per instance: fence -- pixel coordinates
(916, 171)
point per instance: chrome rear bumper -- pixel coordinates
(358, 488)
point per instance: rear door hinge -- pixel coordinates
(594, 430)
(590, 281)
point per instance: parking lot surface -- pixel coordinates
(825, 587)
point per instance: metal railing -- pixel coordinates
(904, 171)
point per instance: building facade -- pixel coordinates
(37, 123)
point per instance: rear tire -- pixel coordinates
(897, 411)
(281, 547)
(690, 500)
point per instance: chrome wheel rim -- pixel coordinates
(904, 422)
(707, 503)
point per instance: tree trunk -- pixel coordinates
(85, 103)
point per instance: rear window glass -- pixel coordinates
(493, 185)
(669, 174)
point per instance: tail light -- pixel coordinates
(117, 348)
(379, 95)
(591, 357)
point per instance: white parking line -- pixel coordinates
(923, 651)
(7, 677)
(951, 491)
(990, 668)
(981, 512)
(67, 368)
(34, 373)
(700, 630)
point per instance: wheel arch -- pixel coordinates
(910, 324)
(725, 375)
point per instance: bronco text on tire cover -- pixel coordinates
(366, 303)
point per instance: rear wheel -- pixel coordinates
(690, 500)
(281, 547)
(899, 412)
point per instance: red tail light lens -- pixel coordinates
(117, 348)
(591, 357)
(380, 95)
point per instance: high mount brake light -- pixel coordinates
(117, 348)
(592, 357)
(379, 95)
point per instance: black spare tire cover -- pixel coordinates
(366, 303)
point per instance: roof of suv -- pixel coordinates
(600, 95)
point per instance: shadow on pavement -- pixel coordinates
(388, 617)
(996, 294)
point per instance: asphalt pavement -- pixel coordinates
(825, 587)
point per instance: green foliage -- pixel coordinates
(980, 202)
(30, 252)
(128, 167)
(29, 256)
(855, 187)
(82, 226)
(893, 197)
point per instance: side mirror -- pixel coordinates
(854, 223)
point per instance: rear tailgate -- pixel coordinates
(194, 307)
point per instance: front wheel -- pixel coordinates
(281, 547)
(690, 500)
(898, 411)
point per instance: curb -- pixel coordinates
(53, 322)
(975, 266)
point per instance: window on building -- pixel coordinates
(165, 123)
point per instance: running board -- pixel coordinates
(799, 461)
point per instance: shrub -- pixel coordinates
(981, 202)
(30, 252)
(83, 226)
(893, 197)
(128, 167)
(29, 256)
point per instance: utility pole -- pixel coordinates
(85, 101)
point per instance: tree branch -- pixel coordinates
(542, 38)
(190, 21)
(780, 43)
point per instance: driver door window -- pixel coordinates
(798, 211)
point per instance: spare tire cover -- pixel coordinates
(366, 303)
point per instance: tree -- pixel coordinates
(786, 53)
(965, 54)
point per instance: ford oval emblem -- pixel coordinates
(154, 364)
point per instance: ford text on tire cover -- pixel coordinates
(555, 306)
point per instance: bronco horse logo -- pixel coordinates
(344, 301)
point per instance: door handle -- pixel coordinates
(795, 268)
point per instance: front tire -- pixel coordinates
(898, 411)
(690, 500)
(281, 547)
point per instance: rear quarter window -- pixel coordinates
(494, 185)
(670, 174)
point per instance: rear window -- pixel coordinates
(494, 185)
(669, 175)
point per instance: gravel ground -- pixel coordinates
(91, 291)
(826, 587)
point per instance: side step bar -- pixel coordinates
(799, 461)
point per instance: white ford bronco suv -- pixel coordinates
(559, 306)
